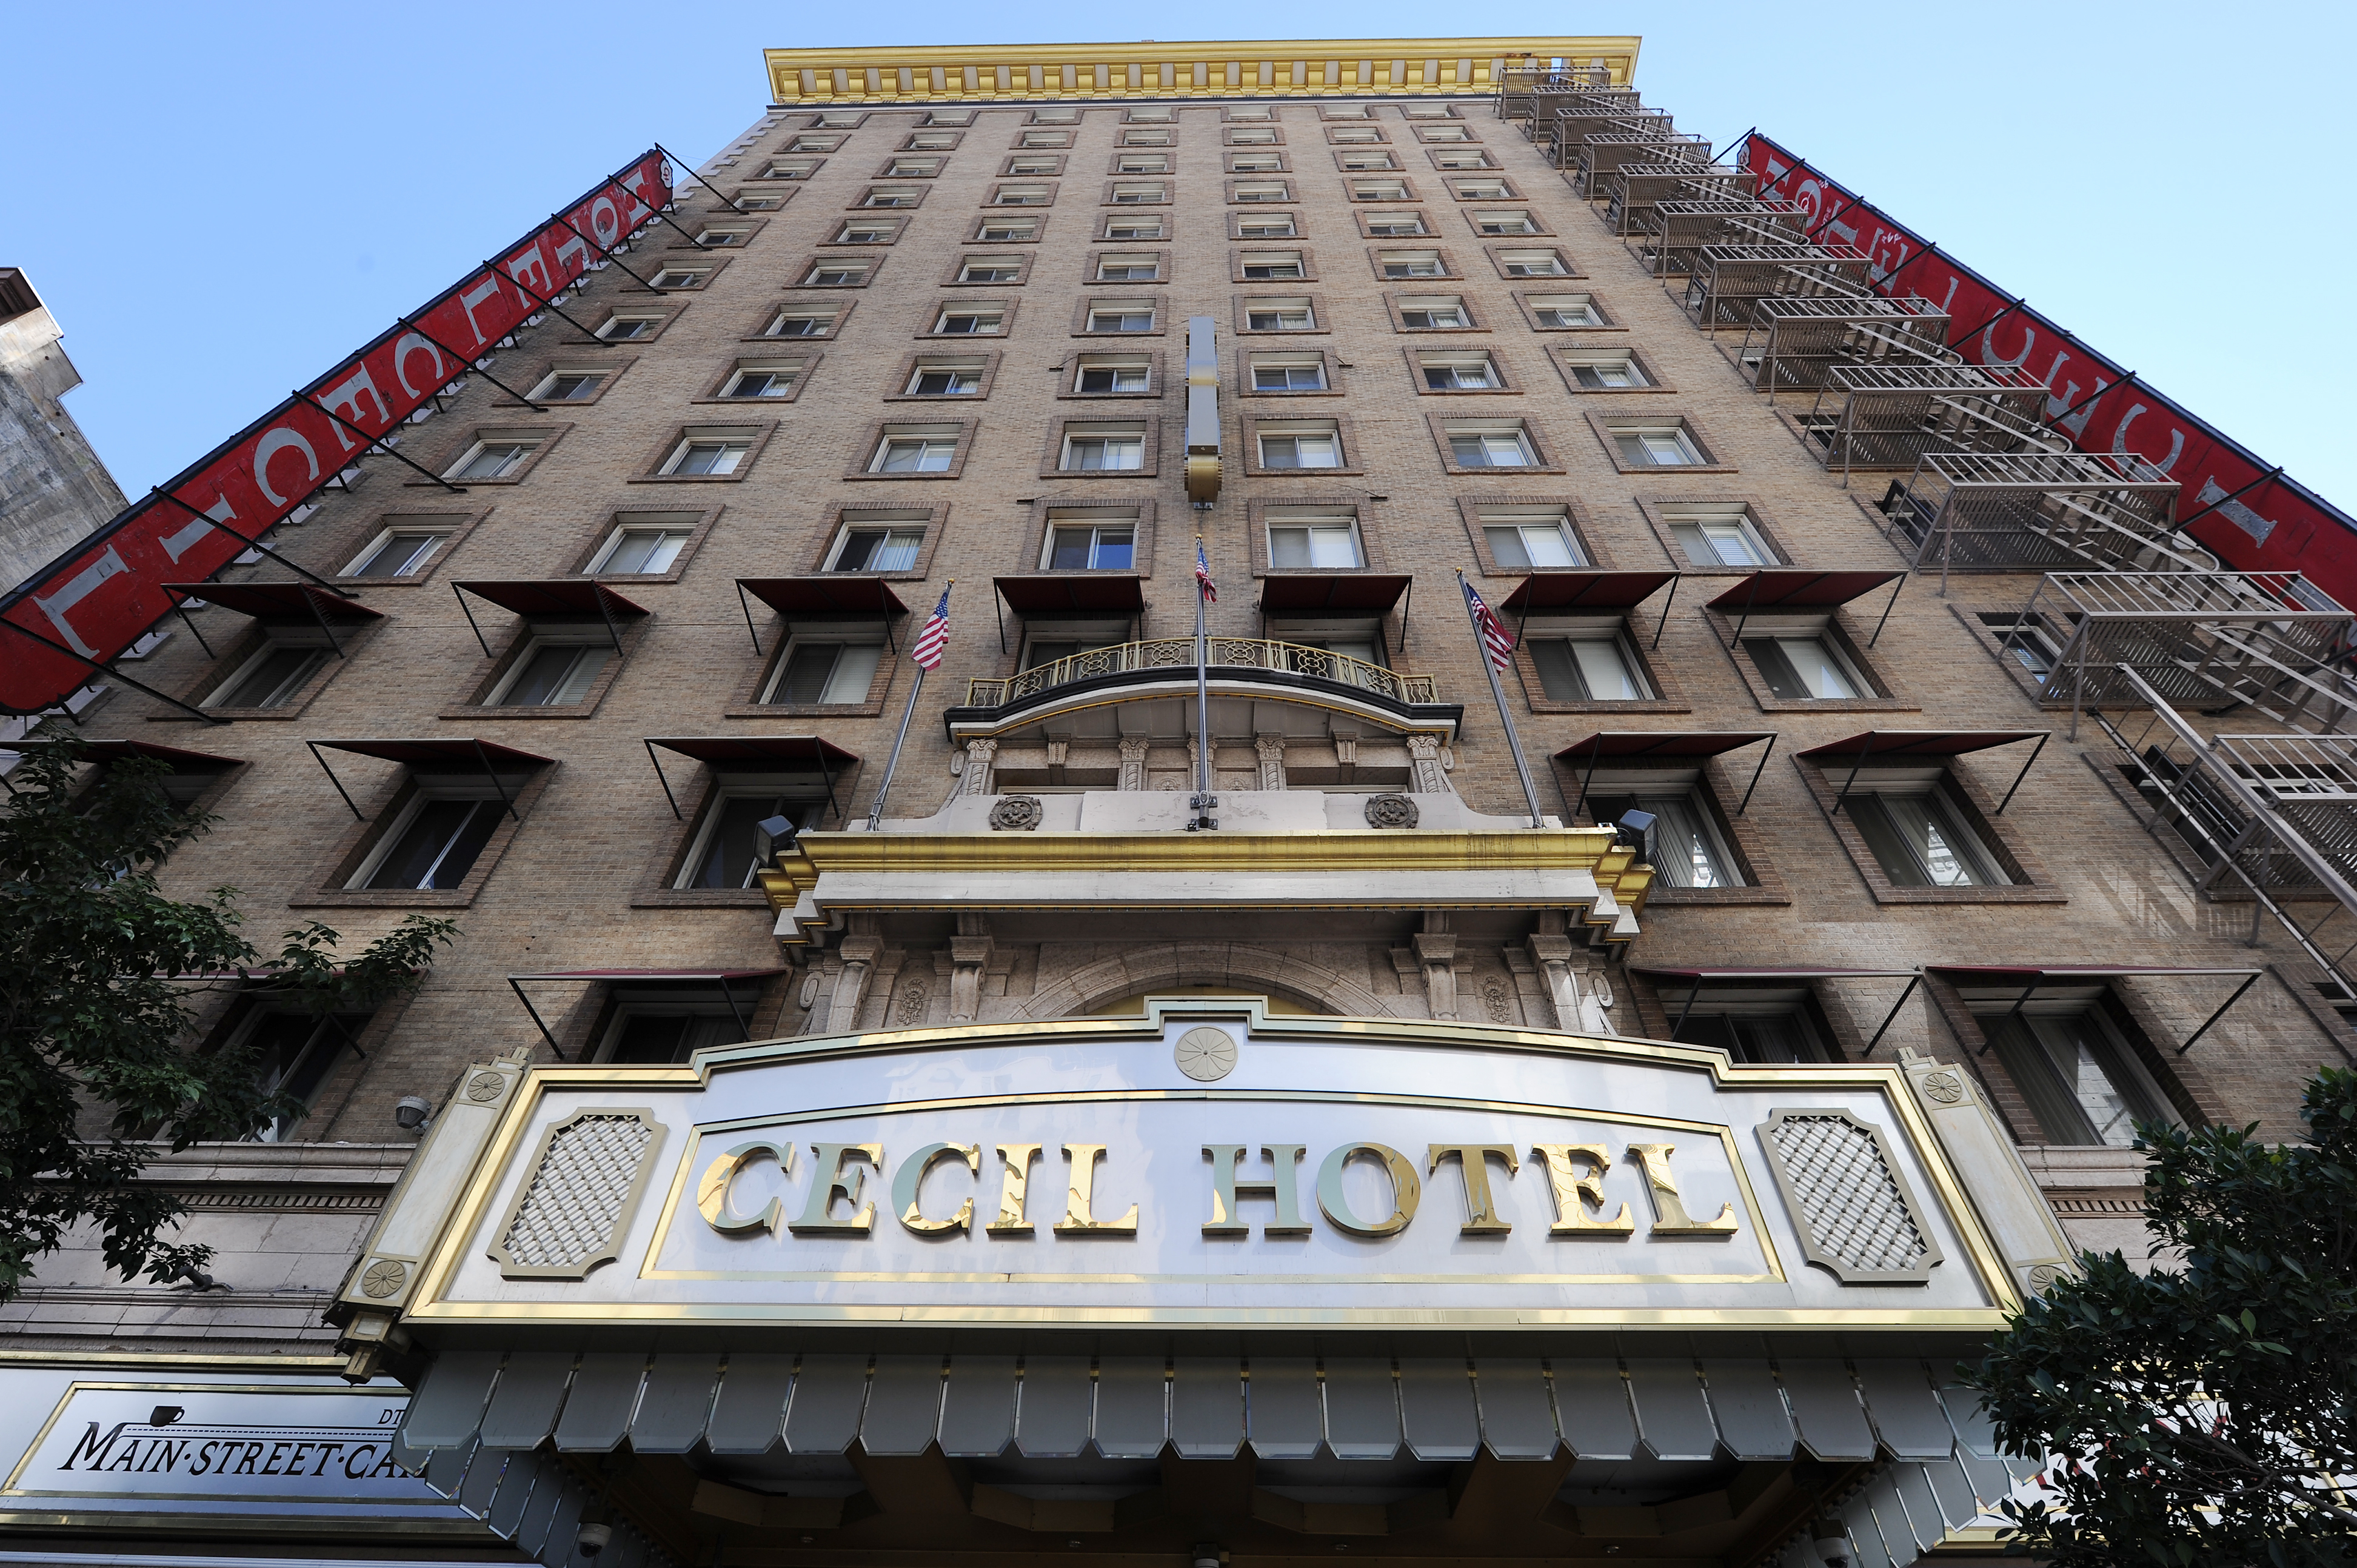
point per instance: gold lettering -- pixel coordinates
(1670, 1215)
(1078, 1220)
(833, 1176)
(712, 1188)
(908, 1181)
(1015, 1167)
(1576, 1191)
(1473, 1160)
(1407, 1189)
(1281, 1189)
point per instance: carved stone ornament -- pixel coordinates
(1391, 812)
(1017, 813)
(1206, 1054)
(382, 1278)
(1945, 1086)
(484, 1087)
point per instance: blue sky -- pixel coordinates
(221, 201)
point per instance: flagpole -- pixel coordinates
(892, 764)
(1514, 741)
(1203, 800)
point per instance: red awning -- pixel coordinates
(645, 975)
(1797, 588)
(1621, 745)
(806, 750)
(277, 601)
(1294, 592)
(1060, 593)
(1884, 743)
(2058, 973)
(183, 761)
(554, 596)
(438, 753)
(826, 595)
(1585, 590)
(1763, 971)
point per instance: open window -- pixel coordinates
(296, 1052)
(452, 809)
(1796, 646)
(759, 792)
(1699, 842)
(567, 648)
(1920, 826)
(293, 642)
(832, 651)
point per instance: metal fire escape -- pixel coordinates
(1794, 342)
(1896, 414)
(2033, 510)
(1728, 282)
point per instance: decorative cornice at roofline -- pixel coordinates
(1291, 68)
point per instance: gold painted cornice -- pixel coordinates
(1292, 67)
(1592, 850)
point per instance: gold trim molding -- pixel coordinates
(1289, 68)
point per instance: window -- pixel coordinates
(568, 386)
(397, 553)
(1589, 669)
(1314, 542)
(1344, 111)
(761, 380)
(1458, 372)
(1089, 547)
(1758, 1026)
(1379, 191)
(1114, 266)
(1300, 446)
(2081, 1079)
(715, 237)
(1270, 266)
(821, 671)
(1491, 446)
(949, 117)
(729, 852)
(1045, 139)
(1146, 138)
(1410, 265)
(1140, 194)
(858, 233)
(495, 458)
(621, 329)
(1806, 667)
(1097, 375)
(1688, 851)
(1019, 196)
(681, 277)
(1507, 223)
(1269, 190)
(1478, 190)
(956, 378)
(553, 673)
(801, 321)
(1921, 838)
(1434, 312)
(1255, 163)
(707, 456)
(971, 321)
(1723, 536)
(1120, 318)
(294, 1053)
(1444, 134)
(1428, 111)
(1566, 310)
(1249, 112)
(1055, 117)
(877, 548)
(434, 844)
(913, 168)
(640, 548)
(1132, 229)
(892, 195)
(838, 121)
(1656, 446)
(1601, 370)
(1531, 541)
(1351, 134)
(1288, 372)
(1008, 230)
(1275, 226)
(1280, 315)
(838, 271)
(990, 269)
(1142, 163)
(931, 141)
(271, 678)
(1454, 159)
(1035, 166)
(2025, 640)
(916, 452)
(1532, 264)
(790, 168)
(1251, 136)
(1356, 161)
(1394, 225)
(1094, 448)
(812, 144)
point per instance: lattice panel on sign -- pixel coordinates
(1855, 1209)
(571, 1213)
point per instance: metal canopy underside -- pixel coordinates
(1583, 590)
(826, 597)
(1067, 593)
(277, 601)
(2004, 512)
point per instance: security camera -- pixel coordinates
(411, 1111)
(1631, 829)
(1832, 1541)
(594, 1538)
(779, 831)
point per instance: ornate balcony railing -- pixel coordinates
(1172, 656)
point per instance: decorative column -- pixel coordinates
(970, 954)
(978, 756)
(1133, 762)
(1552, 954)
(1271, 751)
(1426, 777)
(859, 955)
(1436, 950)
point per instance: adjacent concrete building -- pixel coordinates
(1839, 867)
(53, 488)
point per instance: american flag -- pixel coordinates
(935, 635)
(1203, 583)
(1496, 642)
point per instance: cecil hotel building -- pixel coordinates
(779, 1171)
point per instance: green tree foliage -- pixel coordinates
(2206, 1412)
(100, 973)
